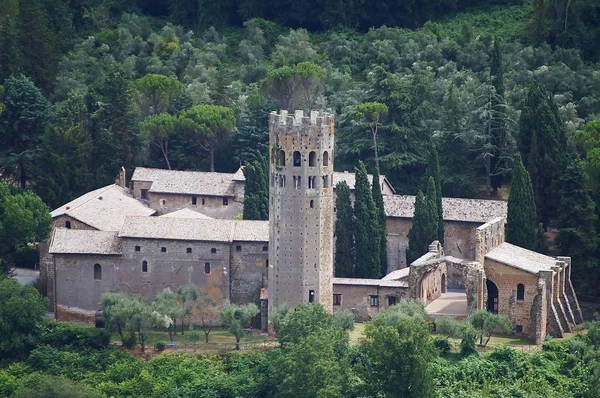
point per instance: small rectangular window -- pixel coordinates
(225, 201)
(265, 248)
(203, 202)
(163, 249)
(138, 249)
(194, 200)
(189, 250)
(207, 268)
(213, 250)
(374, 301)
(238, 248)
(144, 193)
(164, 202)
(311, 296)
(519, 329)
(337, 299)
(391, 300)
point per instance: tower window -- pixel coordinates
(520, 292)
(194, 200)
(97, 272)
(297, 182)
(272, 179)
(144, 266)
(312, 159)
(374, 301)
(312, 182)
(311, 296)
(273, 155)
(325, 181)
(312, 204)
(68, 225)
(337, 299)
(281, 181)
(207, 268)
(297, 159)
(281, 158)
(325, 158)
(225, 201)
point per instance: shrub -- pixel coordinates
(160, 345)
(503, 354)
(344, 320)
(468, 342)
(46, 386)
(63, 334)
(442, 344)
(130, 340)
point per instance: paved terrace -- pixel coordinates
(452, 304)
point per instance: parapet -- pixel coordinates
(298, 123)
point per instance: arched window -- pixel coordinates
(97, 272)
(312, 182)
(282, 181)
(312, 159)
(207, 268)
(520, 292)
(68, 224)
(325, 158)
(144, 266)
(297, 159)
(325, 182)
(281, 158)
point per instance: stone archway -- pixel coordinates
(492, 296)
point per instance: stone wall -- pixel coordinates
(488, 236)
(357, 299)
(428, 276)
(506, 280)
(61, 222)
(249, 271)
(213, 206)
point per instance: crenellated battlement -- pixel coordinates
(296, 123)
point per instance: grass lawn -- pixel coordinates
(215, 336)
(357, 333)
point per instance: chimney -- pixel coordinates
(121, 178)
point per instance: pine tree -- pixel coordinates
(499, 139)
(381, 220)
(366, 228)
(10, 52)
(543, 145)
(576, 220)
(423, 230)
(344, 232)
(433, 171)
(521, 225)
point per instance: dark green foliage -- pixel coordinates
(344, 232)
(160, 345)
(21, 310)
(10, 52)
(424, 228)
(499, 140)
(303, 321)
(576, 220)
(543, 146)
(366, 228)
(442, 344)
(21, 127)
(63, 335)
(39, 385)
(381, 223)
(521, 224)
(256, 189)
(433, 171)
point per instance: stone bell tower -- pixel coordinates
(301, 209)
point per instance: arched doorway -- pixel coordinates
(444, 290)
(492, 300)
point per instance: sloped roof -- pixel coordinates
(369, 282)
(186, 213)
(251, 231)
(104, 209)
(520, 258)
(397, 274)
(455, 209)
(189, 182)
(82, 241)
(350, 179)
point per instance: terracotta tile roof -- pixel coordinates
(189, 182)
(369, 282)
(104, 209)
(520, 258)
(195, 229)
(350, 178)
(455, 209)
(186, 213)
(82, 241)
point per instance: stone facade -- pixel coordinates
(364, 299)
(301, 209)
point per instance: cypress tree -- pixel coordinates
(365, 228)
(381, 220)
(543, 144)
(344, 232)
(433, 171)
(256, 190)
(499, 139)
(424, 226)
(431, 196)
(521, 225)
(10, 52)
(576, 221)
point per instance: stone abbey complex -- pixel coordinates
(170, 228)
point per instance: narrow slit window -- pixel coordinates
(325, 158)
(311, 296)
(207, 268)
(312, 204)
(97, 272)
(520, 292)
(144, 266)
(68, 225)
(337, 299)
